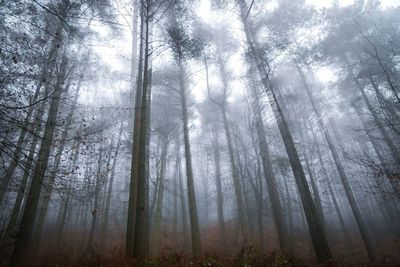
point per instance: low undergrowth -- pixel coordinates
(246, 257)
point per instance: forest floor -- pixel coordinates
(246, 257)
(233, 253)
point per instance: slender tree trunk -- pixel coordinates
(97, 188)
(186, 244)
(314, 186)
(270, 179)
(194, 222)
(218, 183)
(130, 231)
(317, 233)
(332, 194)
(217, 167)
(153, 201)
(156, 184)
(371, 138)
(8, 239)
(248, 211)
(135, 62)
(260, 211)
(361, 222)
(24, 235)
(236, 180)
(65, 206)
(175, 195)
(103, 195)
(46, 193)
(159, 205)
(237, 186)
(141, 234)
(391, 207)
(392, 147)
(104, 228)
(206, 192)
(44, 79)
(289, 211)
(255, 182)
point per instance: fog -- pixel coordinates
(199, 133)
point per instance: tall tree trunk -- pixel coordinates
(217, 167)
(141, 234)
(371, 138)
(24, 235)
(110, 188)
(8, 238)
(361, 222)
(135, 62)
(314, 186)
(138, 210)
(236, 180)
(270, 179)
(44, 79)
(206, 191)
(255, 182)
(97, 187)
(237, 186)
(159, 205)
(218, 183)
(391, 207)
(289, 212)
(175, 195)
(331, 192)
(317, 233)
(194, 222)
(48, 189)
(182, 194)
(392, 147)
(130, 231)
(260, 210)
(68, 195)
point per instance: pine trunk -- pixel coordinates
(194, 222)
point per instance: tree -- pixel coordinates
(317, 233)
